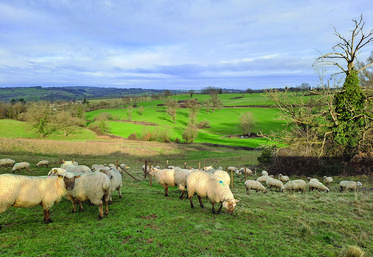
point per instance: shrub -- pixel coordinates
(204, 124)
(352, 251)
(133, 136)
(267, 155)
(104, 116)
(190, 133)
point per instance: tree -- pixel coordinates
(247, 123)
(193, 106)
(140, 110)
(172, 105)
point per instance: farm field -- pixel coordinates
(146, 223)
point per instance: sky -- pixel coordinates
(172, 44)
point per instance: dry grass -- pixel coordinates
(352, 251)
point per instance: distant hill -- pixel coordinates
(72, 93)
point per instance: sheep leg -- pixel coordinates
(166, 190)
(220, 208)
(101, 210)
(81, 206)
(191, 203)
(182, 195)
(200, 201)
(120, 192)
(213, 208)
(47, 218)
(106, 208)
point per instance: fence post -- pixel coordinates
(167, 164)
(232, 179)
(146, 166)
(185, 165)
(199, 165)
(150, 177)
(245, 174)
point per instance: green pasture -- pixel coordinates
(146, 223)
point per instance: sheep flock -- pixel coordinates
(98, 184)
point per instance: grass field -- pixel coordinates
(145, 223)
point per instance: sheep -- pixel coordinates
(312, 179)
(68, 163)
(232, 169)
(295, 185)
(212, 187)
(254, 185)
(90, 186)
(242, 171)
(42, 163)
(7, 162)
(283, 178)
(263, 178)
(20, 166)
(116, 181)
(349, 185)
(147, 167)
(96, 167)
(29, 191)
(264, 173)
(317, 185)
(165, 177)
(328, 180)
(272, 182)
(224, 176)
(180, 178)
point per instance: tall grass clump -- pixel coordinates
(352, 251)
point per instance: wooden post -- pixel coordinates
(232, 179)
(199, 165)
(185, 165)
(117, 164)
(167, 164)
(245, 174)
(150, 177)
(146, 166)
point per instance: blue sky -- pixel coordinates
(171, 44)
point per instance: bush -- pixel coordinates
(190, 133)
(267, 155)
(100, 127)
(104, 116)
(133, 136)
(204, 124)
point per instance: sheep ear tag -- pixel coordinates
(60, 177)
(221, 182)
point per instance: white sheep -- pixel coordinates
(212, 187)
(7, 162)
(264, 173)
(283, 178)
(328, 180)
(94, 187)
(42, 163)
(349, 185)
(78, 169)
(295, 185)
(317, 185)
(254, 185)
(272, 182)
(116, 181)
(241, 171)
(20, 166)
(65, 164)
(262, 178)
(180, 179)
(232, 169)
(312, 179)
(165, 177)
(224, 176)
(96, 167)
(147, 167)
(29, 191)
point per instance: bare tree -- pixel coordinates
(348, 48)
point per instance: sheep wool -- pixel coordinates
(42, 163)
(283, 178)
(262, 178)
(116, 180)
(78, 169)
(318, 186)
(328, 180)
(20, 166)
(295, 185)
(180, 179)
(272, 182)
(65, 164)
(224, 176)
(254, 185)
(29, 191)
(7, 162)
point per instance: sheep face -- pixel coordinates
(229, 205)
(69, 182)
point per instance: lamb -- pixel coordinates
(65, 164)
(295, 185)
(29, 191)
(272, 182)
(212, 187)
(317, 185)
(42, 163)
(232, 169)
(20, 166)
(254, 185)
(165, 177)
(283, 178)
(328, 180)
(349, 185)
(224, 176)
(116, 181)
(90, 186)
(7, 162)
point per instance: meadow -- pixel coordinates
(146, 223)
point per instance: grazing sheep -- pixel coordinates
(42, 163)
(312, 179)
(181, 179)
(272, 182)
(7, 162)
(29, 191)
(212, 187)
(262, 178)
(165, 177)
(264, 173)
(78, 169)
(283, 178)
(254, 185)
(349, 185)
(295, 185)
(94, 187)
(96, 167)
(20, 166)
(232, 169)
(242, 171)
(116, 181)
(317, 185)
(328, 180)
(223, 175)
(65, 164)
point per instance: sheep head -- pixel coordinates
(229, 205)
